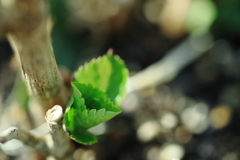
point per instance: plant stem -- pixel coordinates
(25, 25)
(60, 147)
(39, 68)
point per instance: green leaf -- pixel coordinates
(84, 113)
(84, 137)
(108, 73)
(78, 101)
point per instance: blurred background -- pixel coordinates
(191, 109)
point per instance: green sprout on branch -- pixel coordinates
(98, 90)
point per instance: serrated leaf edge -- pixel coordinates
(90, 143)
(123, 91)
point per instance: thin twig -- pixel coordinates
(27, 138)
(60, 147)
(169, 66)
(57, 143)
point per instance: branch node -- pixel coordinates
(61, 144)
(54, 115)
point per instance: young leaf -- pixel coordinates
(95, 98)
(84, 113)
(84, 137)
(108, 73)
